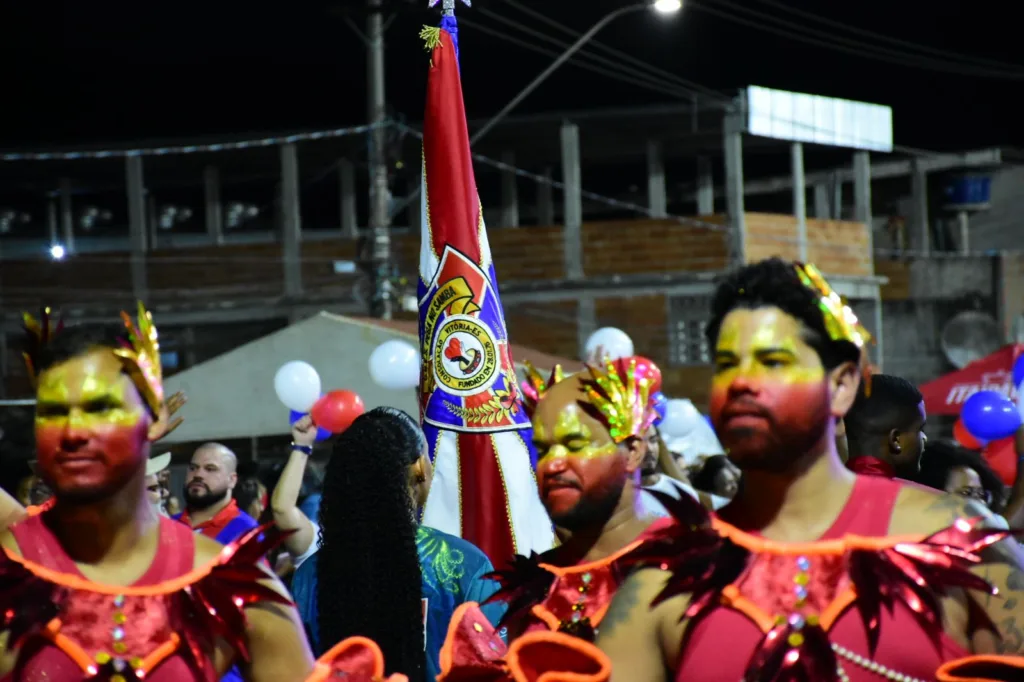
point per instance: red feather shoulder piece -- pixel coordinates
(704, 557)
(214, 606)
(27, 602)
(523, 584)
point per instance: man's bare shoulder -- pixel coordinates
(207, 550)
(921, 510)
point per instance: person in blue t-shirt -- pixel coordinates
(378, 573)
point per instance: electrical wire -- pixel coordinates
(617, 54)
(633, 78)
(644, 81)
(941, 53)
(762, 21)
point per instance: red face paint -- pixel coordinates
(91, 427)
(770, 400)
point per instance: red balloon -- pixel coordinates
(645, 369)
(964, 437)
(337, 410)
(1001, 455)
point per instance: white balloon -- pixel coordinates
(681, 418)
(395, 365)
(1020, 400)
(611, 342)
(297, 385)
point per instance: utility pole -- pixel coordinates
(380, 196)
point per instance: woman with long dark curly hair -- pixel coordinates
(378, 573)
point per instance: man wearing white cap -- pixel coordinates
(153, 488)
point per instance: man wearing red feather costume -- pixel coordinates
(588, 431)
(812, 573)
(99, 587)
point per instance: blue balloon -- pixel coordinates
(989, 416)
(658, 402)
(321, 434)
(1018, 370)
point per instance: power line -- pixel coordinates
(617, 54)
(633, 78)
(942, 53)
(797, 32)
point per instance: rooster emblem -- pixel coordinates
(468, 359)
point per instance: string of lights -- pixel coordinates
(189, 148)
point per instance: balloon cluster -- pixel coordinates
(686, 431)
(298, 387)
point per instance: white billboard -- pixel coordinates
(799, 117)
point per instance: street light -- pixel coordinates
(665, 7)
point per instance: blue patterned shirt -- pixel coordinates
(452, 571)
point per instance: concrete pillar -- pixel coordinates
(572, 216)
(821, 207)
(212, 202)
(67, 217)
(837, 196)
(152, 221)
(545, 201)
(657, 192)
(963, 222)
(291, 225)
(919, 199)
(796, 153)
(509, 191)
(586, 321)
(347, 184)
(733, 142)
(52, 222)
(862, 198)
(138, 235)
(705, 186)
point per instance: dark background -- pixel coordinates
(77, 72)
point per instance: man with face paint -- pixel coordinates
(102, 585)
(788, 580)
(588, 430)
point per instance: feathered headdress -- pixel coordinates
(840, 320)
(39, 333)
(536, 386)
(618, 398)
(140, 357)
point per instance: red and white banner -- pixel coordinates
(947, 394)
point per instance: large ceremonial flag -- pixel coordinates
(484, 488)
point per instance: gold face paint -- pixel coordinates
(87, 392)
(764, 344)
(571, 437)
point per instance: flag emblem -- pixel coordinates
(470, 375)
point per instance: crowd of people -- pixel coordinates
(832, 542)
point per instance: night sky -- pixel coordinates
(77, 72)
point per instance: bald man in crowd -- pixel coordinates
(210, 507)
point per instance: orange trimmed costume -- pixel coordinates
(554, 591)
(852, 607)
(161, 628)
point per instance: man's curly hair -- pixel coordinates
(775, 283)
(368, 570)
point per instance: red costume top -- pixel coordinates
(806, 594)
(161, 628)
(542, 597)
(854, 606)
